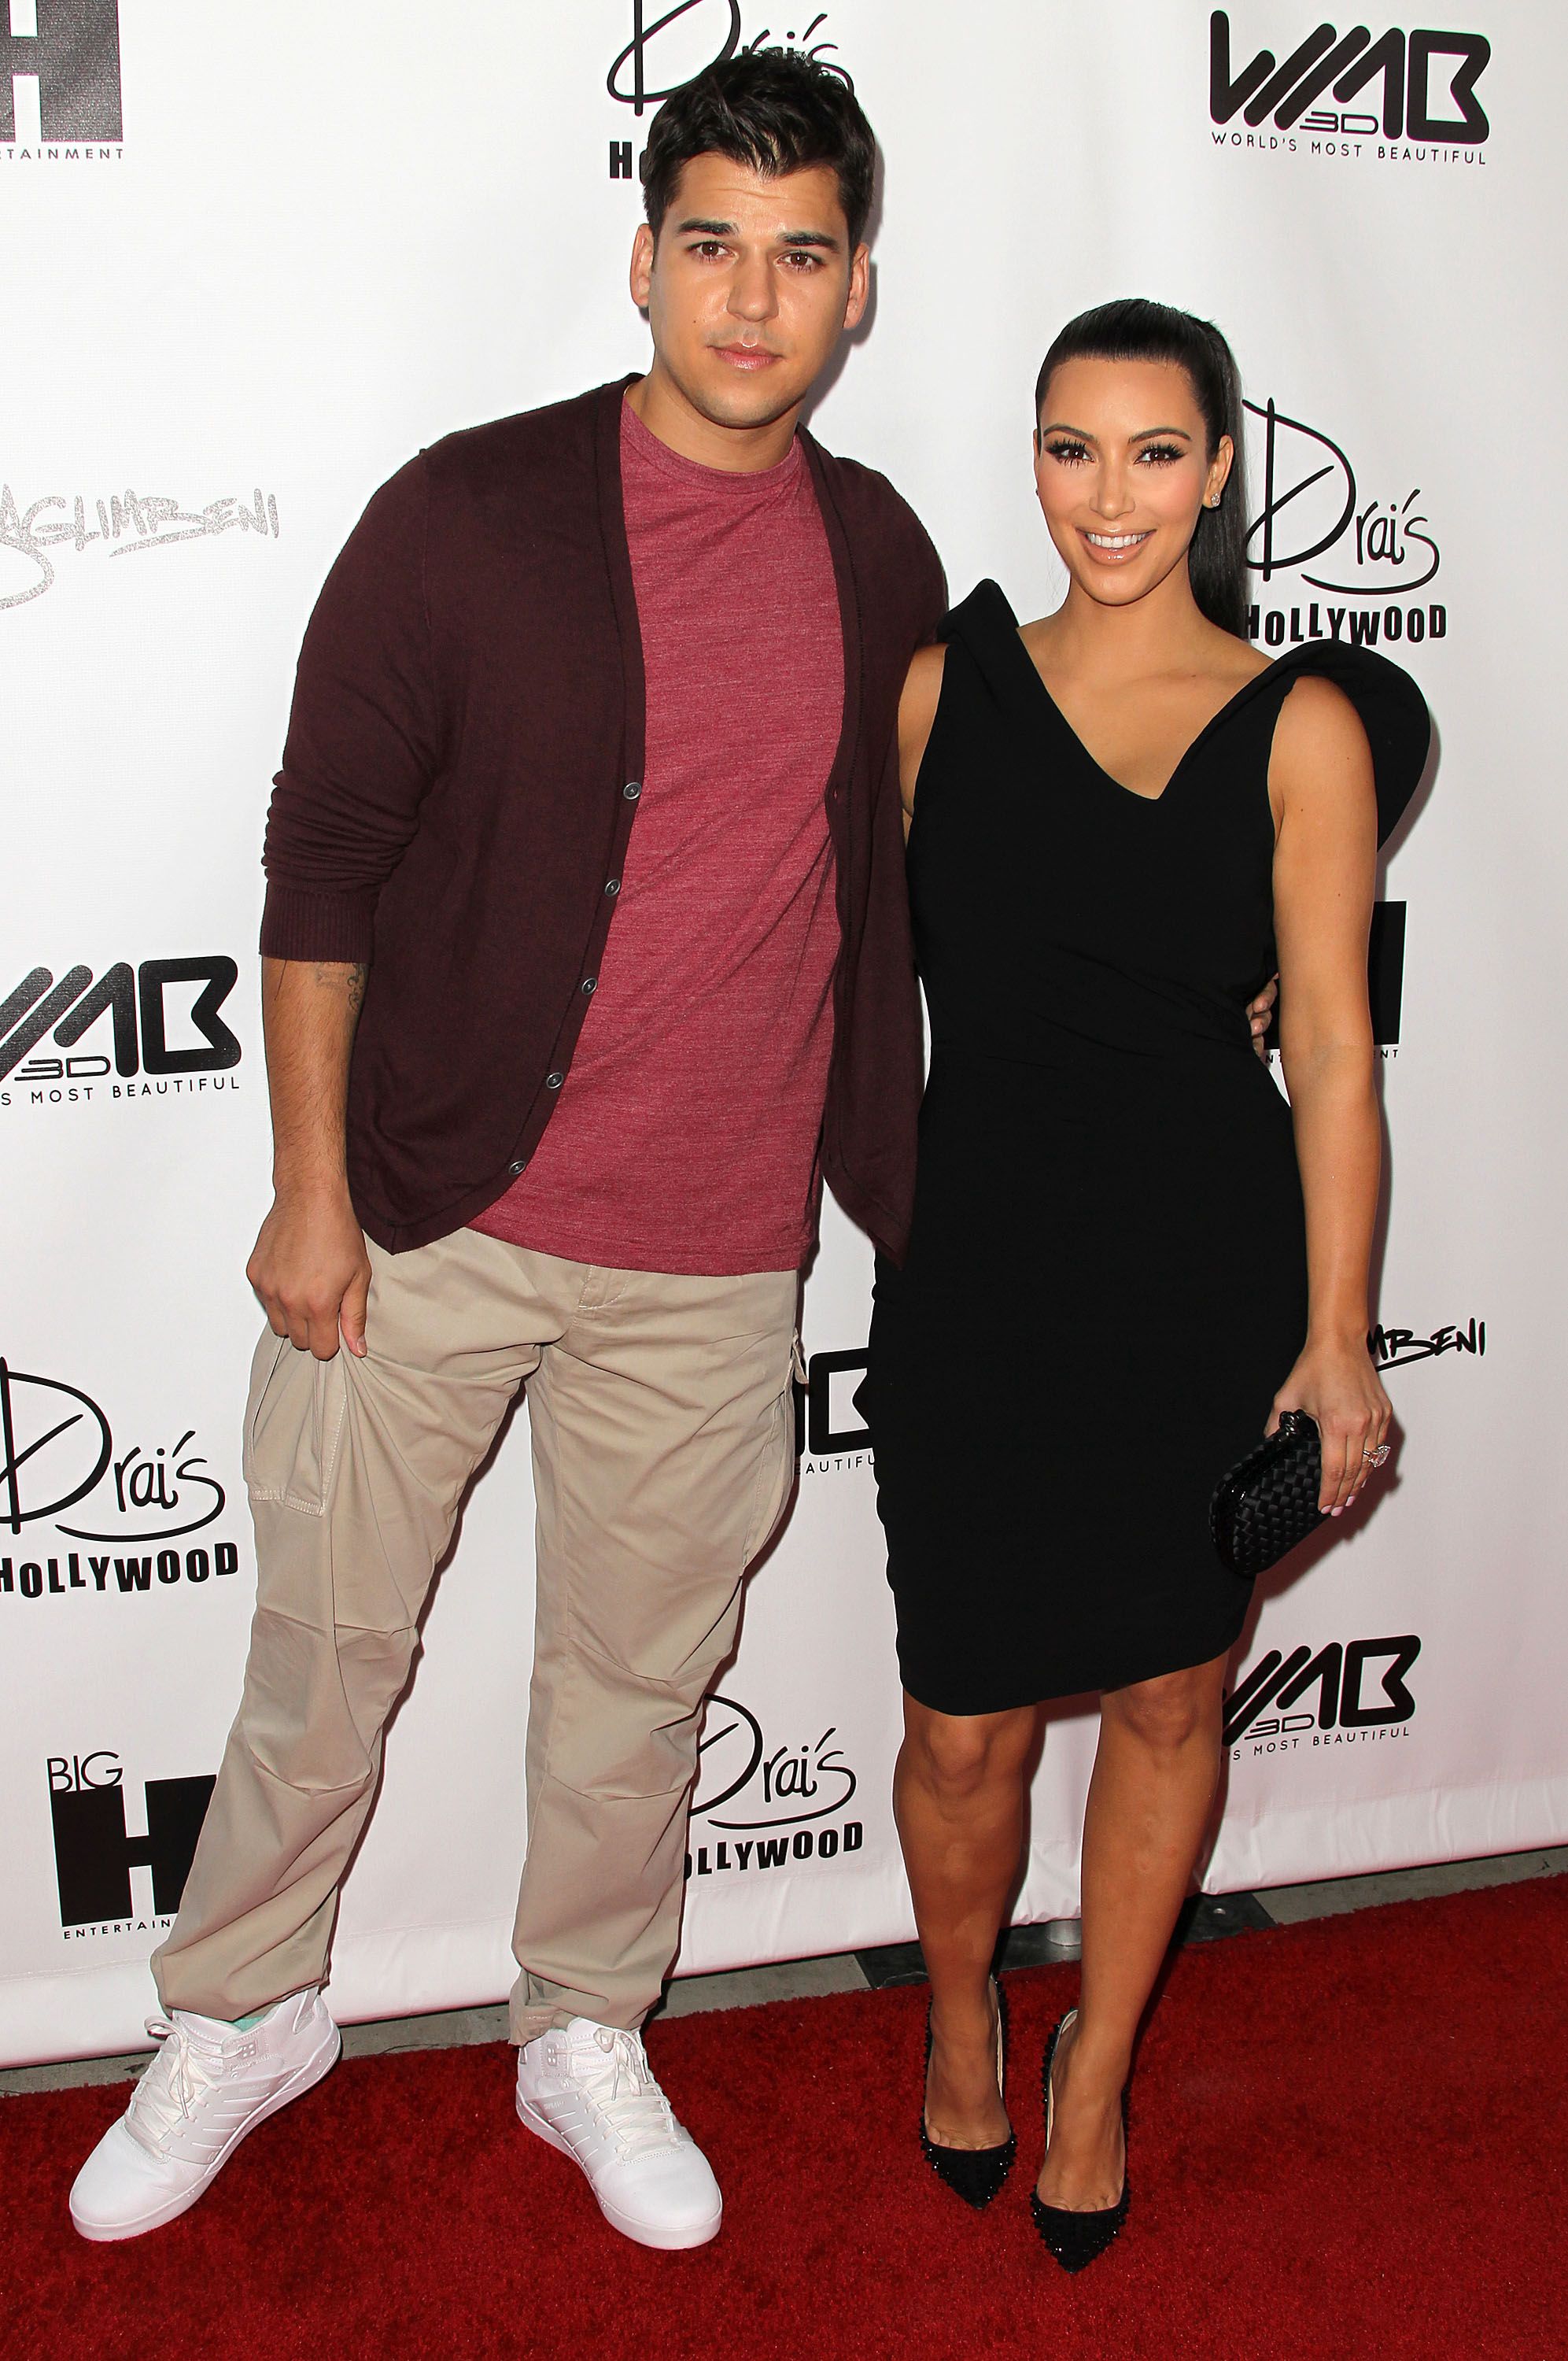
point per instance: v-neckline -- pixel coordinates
(1134, 793)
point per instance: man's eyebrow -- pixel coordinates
(695, 227)
(1060, 426)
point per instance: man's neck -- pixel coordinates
(665, 410)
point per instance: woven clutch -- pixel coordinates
(1268, 1502)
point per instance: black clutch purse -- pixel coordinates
(1268, 1502)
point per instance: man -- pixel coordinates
(585, 944)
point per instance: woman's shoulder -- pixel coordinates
(1317, 713)
(1343, 701)
(1322, 758)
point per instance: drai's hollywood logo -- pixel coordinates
(118, 1521)
(1314, 1700)
(35, 537)
(95, 1849)
(1397, 96)
(1353, 567)
(757, 1806)
(89, 1040)
(669, 45)
(59, 81)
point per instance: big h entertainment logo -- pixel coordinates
(59, 80)
(1311, 97)
(96, 1851)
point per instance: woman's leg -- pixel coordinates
(957, 1796)
(1154, 1775)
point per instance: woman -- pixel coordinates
(1126, 1246)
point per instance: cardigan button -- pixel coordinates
(613, 888)
(590, 984)
(631, 790)
(521, 1165)
(553, 1081)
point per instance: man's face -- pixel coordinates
(749, 288)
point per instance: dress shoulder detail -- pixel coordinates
(1389, 706)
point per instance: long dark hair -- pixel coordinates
(1134, 329)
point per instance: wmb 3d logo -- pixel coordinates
(139, 1032)
(1315, 85)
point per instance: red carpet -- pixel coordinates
(1348, 2138)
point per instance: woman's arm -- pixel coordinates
(916, 712)
(1324, 872)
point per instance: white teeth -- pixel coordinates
(1115, 539)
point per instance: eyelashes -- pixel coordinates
(1159, 454)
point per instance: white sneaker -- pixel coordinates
(208, 2086)
(588, 2090)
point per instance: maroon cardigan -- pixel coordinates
(461, 778)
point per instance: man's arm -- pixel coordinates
(1260, 1014)
(363, 747)
(309, 1266)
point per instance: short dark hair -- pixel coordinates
(774, 110)
(1134, 329)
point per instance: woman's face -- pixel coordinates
(1123, 472)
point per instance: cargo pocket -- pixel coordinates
(293, 1425)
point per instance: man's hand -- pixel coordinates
(312, 1274)
(1260, 1013)
(310, 1267)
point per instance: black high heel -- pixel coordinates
(975, 2174)
(1077, 2239)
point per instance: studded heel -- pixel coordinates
(975, 2174)
(1076, 2239)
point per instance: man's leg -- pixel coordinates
(355, 1470)
(664, 1444)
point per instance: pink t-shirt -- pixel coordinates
(685, 1139)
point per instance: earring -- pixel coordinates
(1213, 500)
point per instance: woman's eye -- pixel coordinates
(1163, 454)
(1068, 453)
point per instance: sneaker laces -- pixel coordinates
(185, 2068)
(628, 2099)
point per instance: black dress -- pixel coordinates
(1106, 1279)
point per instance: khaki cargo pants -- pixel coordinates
(663, 1434)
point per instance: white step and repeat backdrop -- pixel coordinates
(253, 262)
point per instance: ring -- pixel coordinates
(1378, 1458)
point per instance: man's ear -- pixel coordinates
(642, 266)
(860, 286)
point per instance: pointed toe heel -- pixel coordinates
(975, 2174)
(1076, 2240)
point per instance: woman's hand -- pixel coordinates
(1338, 1388)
